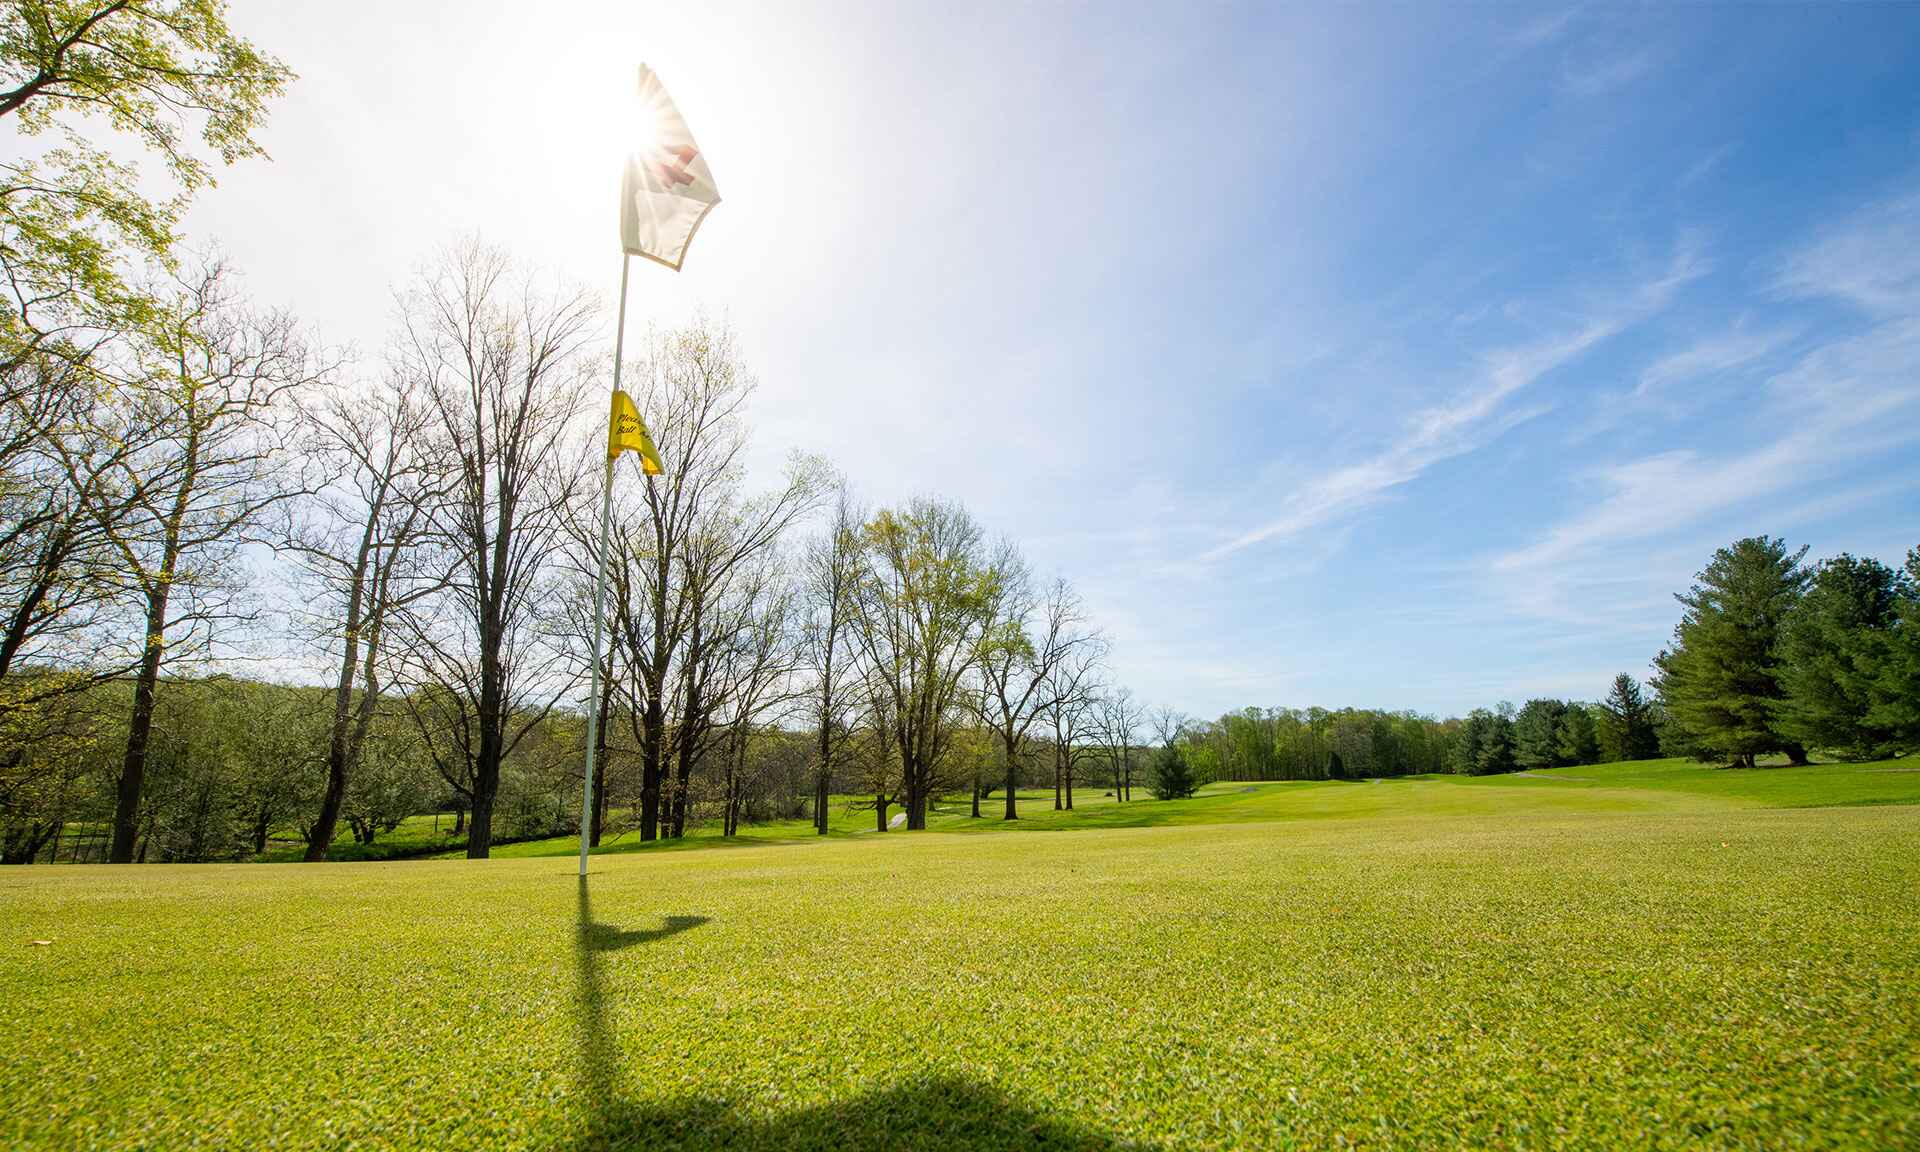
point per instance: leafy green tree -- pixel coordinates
(1721, 677)
(1578, 738)
(75, 214)
(1536, 734)
(923, 599)
(1172, 774)
(49, 749)
(1627, 728)
(1832, 647)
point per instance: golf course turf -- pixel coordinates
(1639, 955)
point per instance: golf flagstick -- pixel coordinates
(600, 586)
(665, 192)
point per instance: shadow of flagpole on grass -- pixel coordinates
(599, 1049)
(923, 1112)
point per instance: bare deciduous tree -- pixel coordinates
(829, 569)
(360, 540)
(205, 403)
(697, 532)
(1028, 636)
(502, 363)
(1072, 715)
(1120, 719)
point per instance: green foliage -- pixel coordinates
(1578, 740)
(74, 217)
(1833, 647)
(1302, 743)
(1628, 723)
(1480, 960)
(1721, 678)
(1536, 734)
(1896, 706)
(1484, 745)
(50, 757)
(1172, 775)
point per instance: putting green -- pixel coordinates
(1642, 955)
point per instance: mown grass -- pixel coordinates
(1518, 963)
(1651, 785)
(415, 836)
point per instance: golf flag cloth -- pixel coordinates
(667, 190)
(626, 432)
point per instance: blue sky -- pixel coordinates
(1393, 357)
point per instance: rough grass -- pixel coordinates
(1661, 957)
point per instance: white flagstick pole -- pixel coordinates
(600, 588)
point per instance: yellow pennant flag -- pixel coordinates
(627, 432)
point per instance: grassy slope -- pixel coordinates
(1647, 955)
(1619, 787)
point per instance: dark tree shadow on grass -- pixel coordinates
(935, 1114)
(920, 1115)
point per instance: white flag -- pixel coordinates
(667, 190)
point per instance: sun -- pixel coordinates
(646, 133)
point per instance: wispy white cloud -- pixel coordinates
(1542, 30)
(1464, 423)
(1656, 497)
(1848, 400)
(1703, 167)
(1709, 357)
(1871, 260)
(1608, 74)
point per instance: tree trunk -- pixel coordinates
(486, 784)
(916, 780)
(597, 820)
(682, 785)
(133, 766)
(824, 767)
(880, 812)
(1013, 810)
(653, 727)
(321, 838)
(976, 792)
(821, 783)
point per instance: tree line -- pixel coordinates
(197, 498)
(195, 492)
(208, 490)
(1771, 656)
(1365, 743)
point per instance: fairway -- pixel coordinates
(1659, 959)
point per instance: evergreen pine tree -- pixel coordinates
(1536, 734)
(1627, 728)
(1896, 688)
(1464, 757)
(1578, 738)
(1496, 747)
(1833, 646)
(1721, 679)
(1172, 775)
